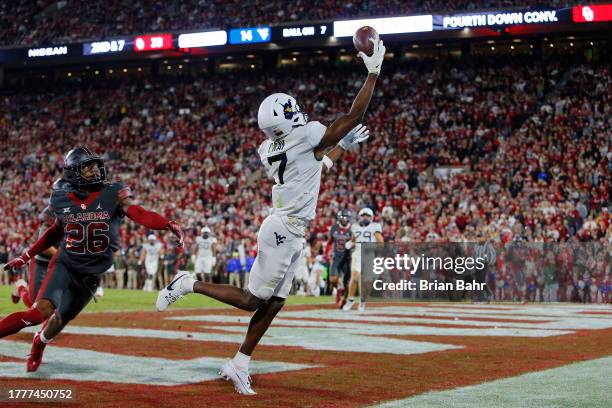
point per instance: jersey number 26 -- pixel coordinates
(94, 241)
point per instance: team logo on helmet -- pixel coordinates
(279, 114)
(288, 110)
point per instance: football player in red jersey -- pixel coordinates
(38, 266)
(339, 235)
(88, 210)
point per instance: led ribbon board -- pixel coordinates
(303, 31)
(202, 39)
(153, 42)
(250, 35)
(391, 25)
(592, 14)
(107, 47)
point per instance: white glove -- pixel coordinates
(374, 63)
(358, 134)
(348, 245)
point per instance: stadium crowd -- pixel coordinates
(509, 150)
(40, 22)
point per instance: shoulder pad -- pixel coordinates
(61, 184)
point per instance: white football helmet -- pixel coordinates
(366, 211)
(152, 237)
(279, 114)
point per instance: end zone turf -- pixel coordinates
(316, 356)
(138, 300)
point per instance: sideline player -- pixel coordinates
(38, 267)
(293, 154)
(151, 252)
(88, 210)
(302, 271)
(315, 282)
(206, 257)
(340, 270)
(364, 231)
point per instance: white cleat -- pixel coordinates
(15, 294)
(179, 287)
(241, 379)
(99, 292)
(349, 305)
(361, 307)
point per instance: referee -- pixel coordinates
(486, 250)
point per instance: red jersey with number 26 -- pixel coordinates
(90, 222)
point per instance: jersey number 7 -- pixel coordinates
(282, 157)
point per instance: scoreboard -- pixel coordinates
(300, 32)
(472, 24)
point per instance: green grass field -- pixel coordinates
(115, 300)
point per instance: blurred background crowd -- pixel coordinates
(505, 149)
(460, 149)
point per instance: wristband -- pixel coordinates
(328, 162)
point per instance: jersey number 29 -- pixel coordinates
(366, 234)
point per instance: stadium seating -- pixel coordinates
(187, 147)
(38, 22)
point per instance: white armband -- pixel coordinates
(328, 162)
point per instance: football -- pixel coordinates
(361, 39)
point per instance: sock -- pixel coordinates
(14, 322)
(24, 294)
(188, 283)
(241, 361)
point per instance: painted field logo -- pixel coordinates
(177, 358)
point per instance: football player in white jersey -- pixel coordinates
(316, 273)
(151, 252)
(293, 154)
(364, 231)
(206, 257)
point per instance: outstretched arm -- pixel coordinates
(355, 115)
(46, 240)
(151, 219)
(348, 121)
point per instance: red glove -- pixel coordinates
(18, 262)
(177, 230)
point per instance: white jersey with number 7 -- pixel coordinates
(291, 162)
